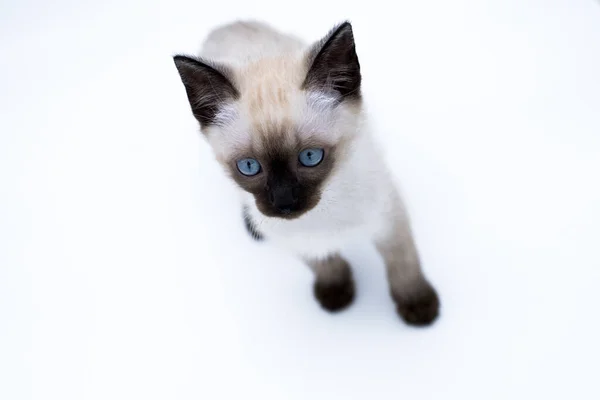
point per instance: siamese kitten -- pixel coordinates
(286, 121)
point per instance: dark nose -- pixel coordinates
(283, 198)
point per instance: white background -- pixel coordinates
(125, 271)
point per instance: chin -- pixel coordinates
(288, 214)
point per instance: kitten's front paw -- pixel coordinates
(334, 296)
(419, 309)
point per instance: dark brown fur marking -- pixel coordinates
(334, 285)
(207, 87)
(334, 64)
(420, 308)
(281, 171)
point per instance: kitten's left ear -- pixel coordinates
(334, 65)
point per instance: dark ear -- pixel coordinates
(334, 64)
(207, 87)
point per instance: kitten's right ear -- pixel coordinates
(207, 87)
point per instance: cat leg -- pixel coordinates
(334, 286)
(416, 300)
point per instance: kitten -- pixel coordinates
(286, 121)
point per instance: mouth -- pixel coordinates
(286, 213)
(289, 211)
(283, 213)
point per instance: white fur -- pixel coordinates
(354, 207)
(238, 132)
(321, 102)
(244, 41)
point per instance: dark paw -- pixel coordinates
(420, 309)
(334, 297)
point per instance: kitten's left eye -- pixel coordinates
(311, 157)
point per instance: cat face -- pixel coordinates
(281, 126)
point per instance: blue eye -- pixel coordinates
(310, 157)
(248, 166)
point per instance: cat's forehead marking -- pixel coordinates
(274, 137)
(274, 114)
(268, 91)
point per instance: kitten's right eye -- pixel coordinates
(248, 166)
